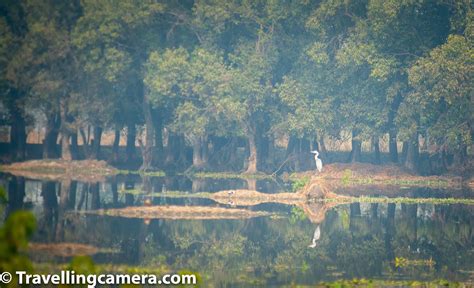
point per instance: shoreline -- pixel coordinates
(354, 174)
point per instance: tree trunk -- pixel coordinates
(404, 151)
(233, 160)
(376, 148)
(65, 134)
(131, 135)
(170, 153)
(356, 147)
(53, 124)
(147, 147)
(64, 194)
(411, 160)
(262, 147)
(292, 142)
(182, 154)
(50, 203)
(271, 154)
(460, 156)
(116, 145)
(18, 136)
(72, 195)
(315, 144)
(197, 158)
(251, 184)
(65, 148)
(96, 142)
(392, 146)
(115, 195)
(16, 194)
(252, 160)
(205, 150)
(74, 145)
(391, 127)
(95, 191)
(322, 145)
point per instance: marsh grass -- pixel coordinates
(390, 283)
(225, 175)
(400, 200)
(398, 182)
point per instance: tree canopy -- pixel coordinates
(218, 75)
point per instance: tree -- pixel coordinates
(443, 91)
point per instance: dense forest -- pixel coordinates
(212, 77)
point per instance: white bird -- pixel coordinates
(316, 236)
(319, 163)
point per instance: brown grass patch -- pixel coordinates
(243, 197)
(57, 170)
(364, 173)
(179, 212)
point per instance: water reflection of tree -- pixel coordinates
(356, 241)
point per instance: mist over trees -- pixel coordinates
(214, 76)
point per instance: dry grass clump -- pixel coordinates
(57, 170)
(179, 212)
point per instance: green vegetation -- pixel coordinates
(389, 283)
(299, 183)
(398, 182)
(404, 200)
(229, 80)
(14, 236)
(297, 214)
(403, 262)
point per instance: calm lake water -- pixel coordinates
(359, 240)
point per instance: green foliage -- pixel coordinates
(403, 200)
(297, 215)
(14, 236)
(255, 69)
(299, 183)
(83, 265)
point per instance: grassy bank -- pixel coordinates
(398, 200)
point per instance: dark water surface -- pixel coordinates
(360, 240)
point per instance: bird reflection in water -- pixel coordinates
(316, 236)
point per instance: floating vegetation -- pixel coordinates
(142, 173)
(403, 262)
(390, 283)
(398, 182)
(179, 212)
(220, 175)
(404, 200)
